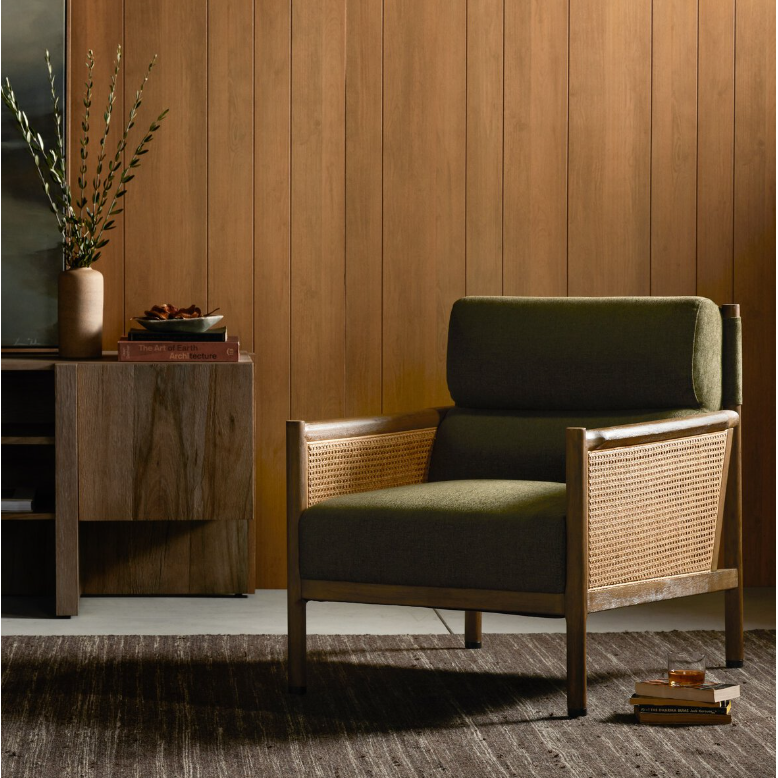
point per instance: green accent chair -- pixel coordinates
(591, 461)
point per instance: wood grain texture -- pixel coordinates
(610, 147)
(318, 208)
(364, 217)
(271, 281)
(106, 442)
(473, 634)
(296, 503)
(424, 194)
(535, 183)
(435, 597)
(483, 210)
(67, 492)
(165, 442)
(577, 566)
(166, 207)
(373, 425)
(158, 557)
(135, 558)
(218, 562)
(754, 268)
(622, 595)
(715, 149)
(99, 27)
(662, 429)
(732, 553)
(230, 181)
(674, 148)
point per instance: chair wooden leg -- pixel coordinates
(472, 629)
(297, 650)
(733, 626)
(576, 665)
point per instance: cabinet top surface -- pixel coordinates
(47, 361)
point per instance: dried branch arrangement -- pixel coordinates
(85, 217)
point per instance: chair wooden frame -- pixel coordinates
(578, 599)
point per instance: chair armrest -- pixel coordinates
(345, 456)
(661, 429)
(339, 429)
(652, 497)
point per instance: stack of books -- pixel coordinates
(656, 702)
(211, 346)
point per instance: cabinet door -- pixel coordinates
(165, 442)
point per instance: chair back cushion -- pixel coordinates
(474, 443)
(585, 354)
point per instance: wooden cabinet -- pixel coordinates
(154, 477)
(165, 442)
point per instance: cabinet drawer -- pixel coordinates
(161, 442)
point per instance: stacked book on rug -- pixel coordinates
(657, 702)
(213, 345)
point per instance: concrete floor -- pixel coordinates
(264, 613)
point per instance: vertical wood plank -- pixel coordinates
(271, 281)
(100, 27)
(483, 215)
(536, 97)
(166, 205)
(715, 149)
(66, 500)
(610, 139)
(674, 148)
(231, 165)
(228, 450)
(424, 194)
(318, 209)
(754, 285)
(217, 557)
(364, 219)
(106, 403)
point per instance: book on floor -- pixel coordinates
(701, 692)
(720, 709)
(637, 699)
(682, 719)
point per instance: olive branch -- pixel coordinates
(82, 223)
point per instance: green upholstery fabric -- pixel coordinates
(504, 444)
(732, 372)
(617, 353)
(483, 534)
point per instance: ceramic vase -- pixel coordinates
(80, 308)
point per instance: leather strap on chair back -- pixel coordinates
(732, 367)
(587, 353)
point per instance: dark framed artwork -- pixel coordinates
(31, 249)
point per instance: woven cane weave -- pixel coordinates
(653, 508)
(362, 464)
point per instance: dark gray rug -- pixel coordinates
(421, 706)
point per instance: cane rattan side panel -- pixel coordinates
(350, 465)
(653, 508)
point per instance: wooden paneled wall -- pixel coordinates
(335, 173)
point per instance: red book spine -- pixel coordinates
(178, 351)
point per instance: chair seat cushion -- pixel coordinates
(470, 534)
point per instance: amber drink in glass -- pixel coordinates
(685, 670)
